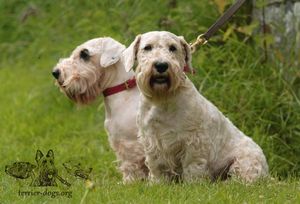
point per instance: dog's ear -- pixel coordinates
(50, 154)
(38, 155)
(111, 52)
(129, 55)
(188, 54)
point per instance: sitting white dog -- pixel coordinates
(184, 135)
(94, 68)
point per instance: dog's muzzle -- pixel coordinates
(160, 74)
(160, 79)
(161, 67)
(56, 73)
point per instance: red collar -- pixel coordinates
(186, 69)
(130, 83)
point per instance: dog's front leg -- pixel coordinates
(194, 169)
(160, 169)
(154, 163)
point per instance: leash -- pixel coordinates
(203, 38)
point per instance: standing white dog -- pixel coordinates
(95, 68)
(184, 135)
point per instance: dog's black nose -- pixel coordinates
(161, 67)
(56, 73)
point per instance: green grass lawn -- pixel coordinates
(34, 115)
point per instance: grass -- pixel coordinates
(109, 191)
(35, 115)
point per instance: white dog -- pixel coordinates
(184, 135)
(95, 68)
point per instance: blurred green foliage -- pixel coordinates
(35, 34)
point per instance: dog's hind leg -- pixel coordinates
(221, 173)
(250, 162)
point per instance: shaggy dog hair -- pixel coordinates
(92, 67)
(184, 135)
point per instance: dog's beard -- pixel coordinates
(159, 86)
(83, 88)
(84, 97)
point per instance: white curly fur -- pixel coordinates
(184, 135)
(84, 80)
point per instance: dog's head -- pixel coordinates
(161, 59)
(82, 76)
(45, 164)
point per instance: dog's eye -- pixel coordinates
(172, 48)
(148, 48)
(84, 54)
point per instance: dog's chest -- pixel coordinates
(172, 128)
(160, 128)
(159, 121)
